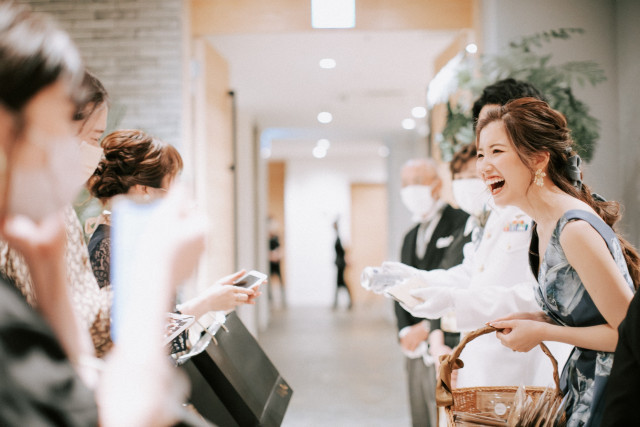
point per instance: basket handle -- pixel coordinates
(449, 362)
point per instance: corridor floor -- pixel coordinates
(345, 367)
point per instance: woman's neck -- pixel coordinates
(546, 205)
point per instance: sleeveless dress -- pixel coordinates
(563, 297)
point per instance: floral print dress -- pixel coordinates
(563, 297)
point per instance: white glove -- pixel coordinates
(438, 301)
(399, 269)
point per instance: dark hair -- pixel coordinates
(95, 95)
(533, 127)
(131, 157)
(34, 53)
(462, 157)
(503, 91)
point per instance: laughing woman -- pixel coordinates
(586, 273)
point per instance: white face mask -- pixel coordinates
(418, 199)
(471, 195)
(90, 156)
(37, 191)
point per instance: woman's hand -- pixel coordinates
(232, 278)
(228, 297)
(519, 334)
(39, 243)
(222, 296)
(538, 316)
(173, 238)
(414, 335)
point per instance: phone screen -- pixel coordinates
(248, 281)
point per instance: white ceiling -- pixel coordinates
(379, 77)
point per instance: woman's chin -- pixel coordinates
(499, 197)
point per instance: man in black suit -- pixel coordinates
(435, 242)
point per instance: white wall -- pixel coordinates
(403, 147)
(505, 20)
(316, 191)
(611, 40)
(628, 57)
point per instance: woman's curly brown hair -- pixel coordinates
(132, 157)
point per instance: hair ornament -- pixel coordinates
(573, 170)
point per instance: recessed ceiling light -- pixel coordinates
(333, 13)
(419, 112)
(472, 48)
(409, 124)
(319, 152)
(324, 143)
(325, 117)
(327, 63)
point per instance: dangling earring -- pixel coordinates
(538, 178)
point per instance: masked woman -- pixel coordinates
(91, 304)
(585, 271)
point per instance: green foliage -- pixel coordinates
(521, 62)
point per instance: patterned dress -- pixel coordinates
(90, 303)
(563, 297)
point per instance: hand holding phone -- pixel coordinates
(251, 280)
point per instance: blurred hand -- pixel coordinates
(175, 236)
(438, 301)
(38, 242)
(415, 335)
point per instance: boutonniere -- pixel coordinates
(444, 242)
(483, 218)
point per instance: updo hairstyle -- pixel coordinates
(131, 157)
(533, 127)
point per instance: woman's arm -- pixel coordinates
(525, 334)
(221, 296)
(589, 255)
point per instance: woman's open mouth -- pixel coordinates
(495, 185)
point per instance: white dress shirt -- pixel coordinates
(495, 280)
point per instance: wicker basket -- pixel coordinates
(464, 399)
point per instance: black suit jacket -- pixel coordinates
(451, 223)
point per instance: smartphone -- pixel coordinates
(175, 325)
(251, 279)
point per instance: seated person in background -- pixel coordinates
(137, 164)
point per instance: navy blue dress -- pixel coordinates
(563, 297)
